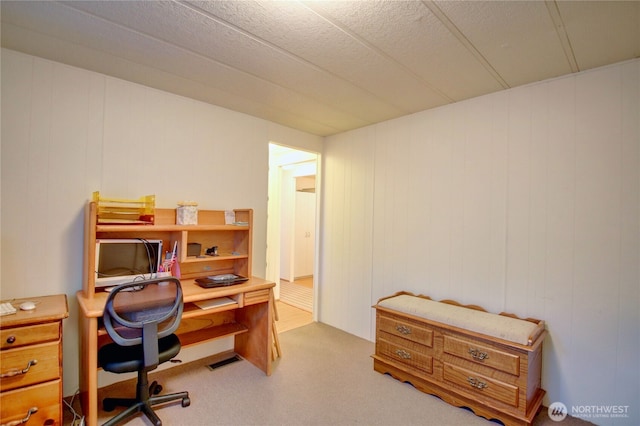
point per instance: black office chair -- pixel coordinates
(141, 318)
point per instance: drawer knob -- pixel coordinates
(477, 354)
(476, 383)
(26, 419)
(403, 329)
(14, 371)
(403, 354)
(11, 339)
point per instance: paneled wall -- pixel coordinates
(524, 201)
(67, 132)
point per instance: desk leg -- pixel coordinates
(89, 370)
(255, 345)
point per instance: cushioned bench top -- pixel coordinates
(511, 329)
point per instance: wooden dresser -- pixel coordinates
(31, 362)
(464, 355)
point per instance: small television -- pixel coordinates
(120, 261)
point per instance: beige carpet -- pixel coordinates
(325, 377)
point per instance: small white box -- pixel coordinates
(187, 213)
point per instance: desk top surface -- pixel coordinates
(192, 292)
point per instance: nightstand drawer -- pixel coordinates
(46, 398)
(480, 385)
(28, 365)
(500, 360)
(20, 336)
(406, 330)
(31, 363)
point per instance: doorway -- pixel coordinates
(291, 230)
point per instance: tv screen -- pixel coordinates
(124, 260)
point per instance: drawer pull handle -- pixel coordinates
(11, 340)
(477, 383)
(477, 354)
(403, 354)
(31, 411)
(15, 371)
(403, 329)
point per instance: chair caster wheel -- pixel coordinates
(108, 406)
(186, 402)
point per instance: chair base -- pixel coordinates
(143, 402)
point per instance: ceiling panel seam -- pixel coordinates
(207, 58)
(289, 54)
(379, 52)
(429, 4)
(561, 30)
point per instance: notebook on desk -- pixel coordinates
(220, 280)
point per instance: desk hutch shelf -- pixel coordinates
(234, 242)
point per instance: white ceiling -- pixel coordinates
(325, 67)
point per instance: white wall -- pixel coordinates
(524, 201)
(67, 132)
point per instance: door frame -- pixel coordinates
(281, 156)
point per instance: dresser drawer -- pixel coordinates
(14, 361)
(406, 330)
(46, 397)
(499, 360)
(21, 336)
(480, 385)
(408, 353)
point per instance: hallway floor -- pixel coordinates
(291, 317)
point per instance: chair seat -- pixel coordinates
(124, 359)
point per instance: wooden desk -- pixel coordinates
(31, 362)
(248, 319)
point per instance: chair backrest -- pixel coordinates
(141, 312)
